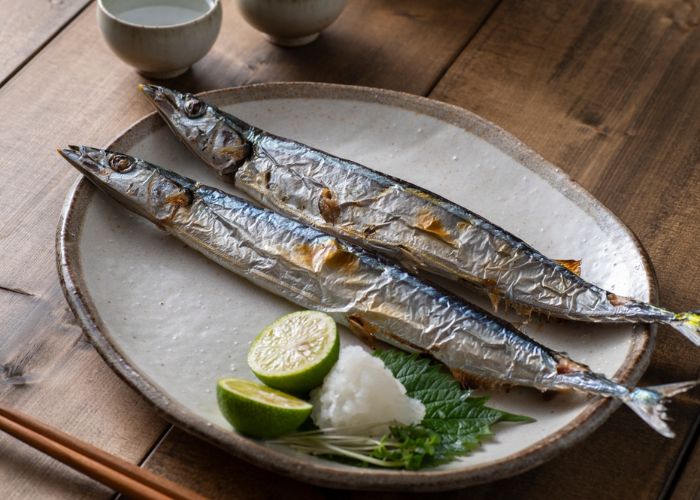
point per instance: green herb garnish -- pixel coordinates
(454, 423)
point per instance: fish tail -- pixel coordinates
(648, 403)
(689, 325)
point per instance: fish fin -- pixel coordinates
(648, 403)
(571, 264)
(689, 325)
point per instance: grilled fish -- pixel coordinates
(376, 299)
(421, 230)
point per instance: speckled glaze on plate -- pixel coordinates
(171, 323)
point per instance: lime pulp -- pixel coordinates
(296, 352)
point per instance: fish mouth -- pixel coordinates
(93, 164)
(85, 159)
(163, 99)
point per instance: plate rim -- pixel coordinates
(595, 413)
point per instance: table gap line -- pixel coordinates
(679, 466)
(461, 50)
(43, 45)
(154, 447)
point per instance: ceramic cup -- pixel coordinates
(291, 23)
(163, 38)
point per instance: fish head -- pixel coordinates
(146, 189)
(211, 134)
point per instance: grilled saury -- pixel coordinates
(421, 230)
(376, 299)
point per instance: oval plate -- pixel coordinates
(171, 323)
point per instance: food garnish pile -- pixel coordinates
(387, 409)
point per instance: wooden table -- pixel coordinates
(609, 90)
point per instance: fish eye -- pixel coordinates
(194, 107)
(119, 163)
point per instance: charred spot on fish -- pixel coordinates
(369, 230)
(328, 206)
(230, 150)
(194, 108)
(566, 366)
(572, 265)
(234, 153)
(475, 381)
(337, 258)
(120, 163)
(429, 223)
(264, 180)
(617, 300)
(463, 224)
(181, 198)
(303, 255)
(329, 255)
(362, 329)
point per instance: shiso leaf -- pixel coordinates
(459, 420)
(454, 423)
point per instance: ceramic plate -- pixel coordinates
(171, 323)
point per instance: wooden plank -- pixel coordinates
(76, 91)
(389, 44)
(688, 484)
(610, 92)
(28, 26)
(216, 474)
(76, 395)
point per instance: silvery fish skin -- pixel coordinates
(377, 300)
(421, 230)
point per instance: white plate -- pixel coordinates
(171, 323)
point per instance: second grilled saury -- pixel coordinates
(374, 298)
(422, 231)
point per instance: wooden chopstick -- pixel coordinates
(104, 467)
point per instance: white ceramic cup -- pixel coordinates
(154, 47)
(291, 22)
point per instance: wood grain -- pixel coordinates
(687, 486)
(59, 378)
(610, 92)
(27, 26)
(393, 44)
(76, 91)
(216, 474)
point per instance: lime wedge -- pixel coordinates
(295, 352)
(258, 411)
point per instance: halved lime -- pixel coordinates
(295, 352)
(259, 411)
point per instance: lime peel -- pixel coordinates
(260, 411)
(296, 352)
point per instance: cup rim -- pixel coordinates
(213, 4)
